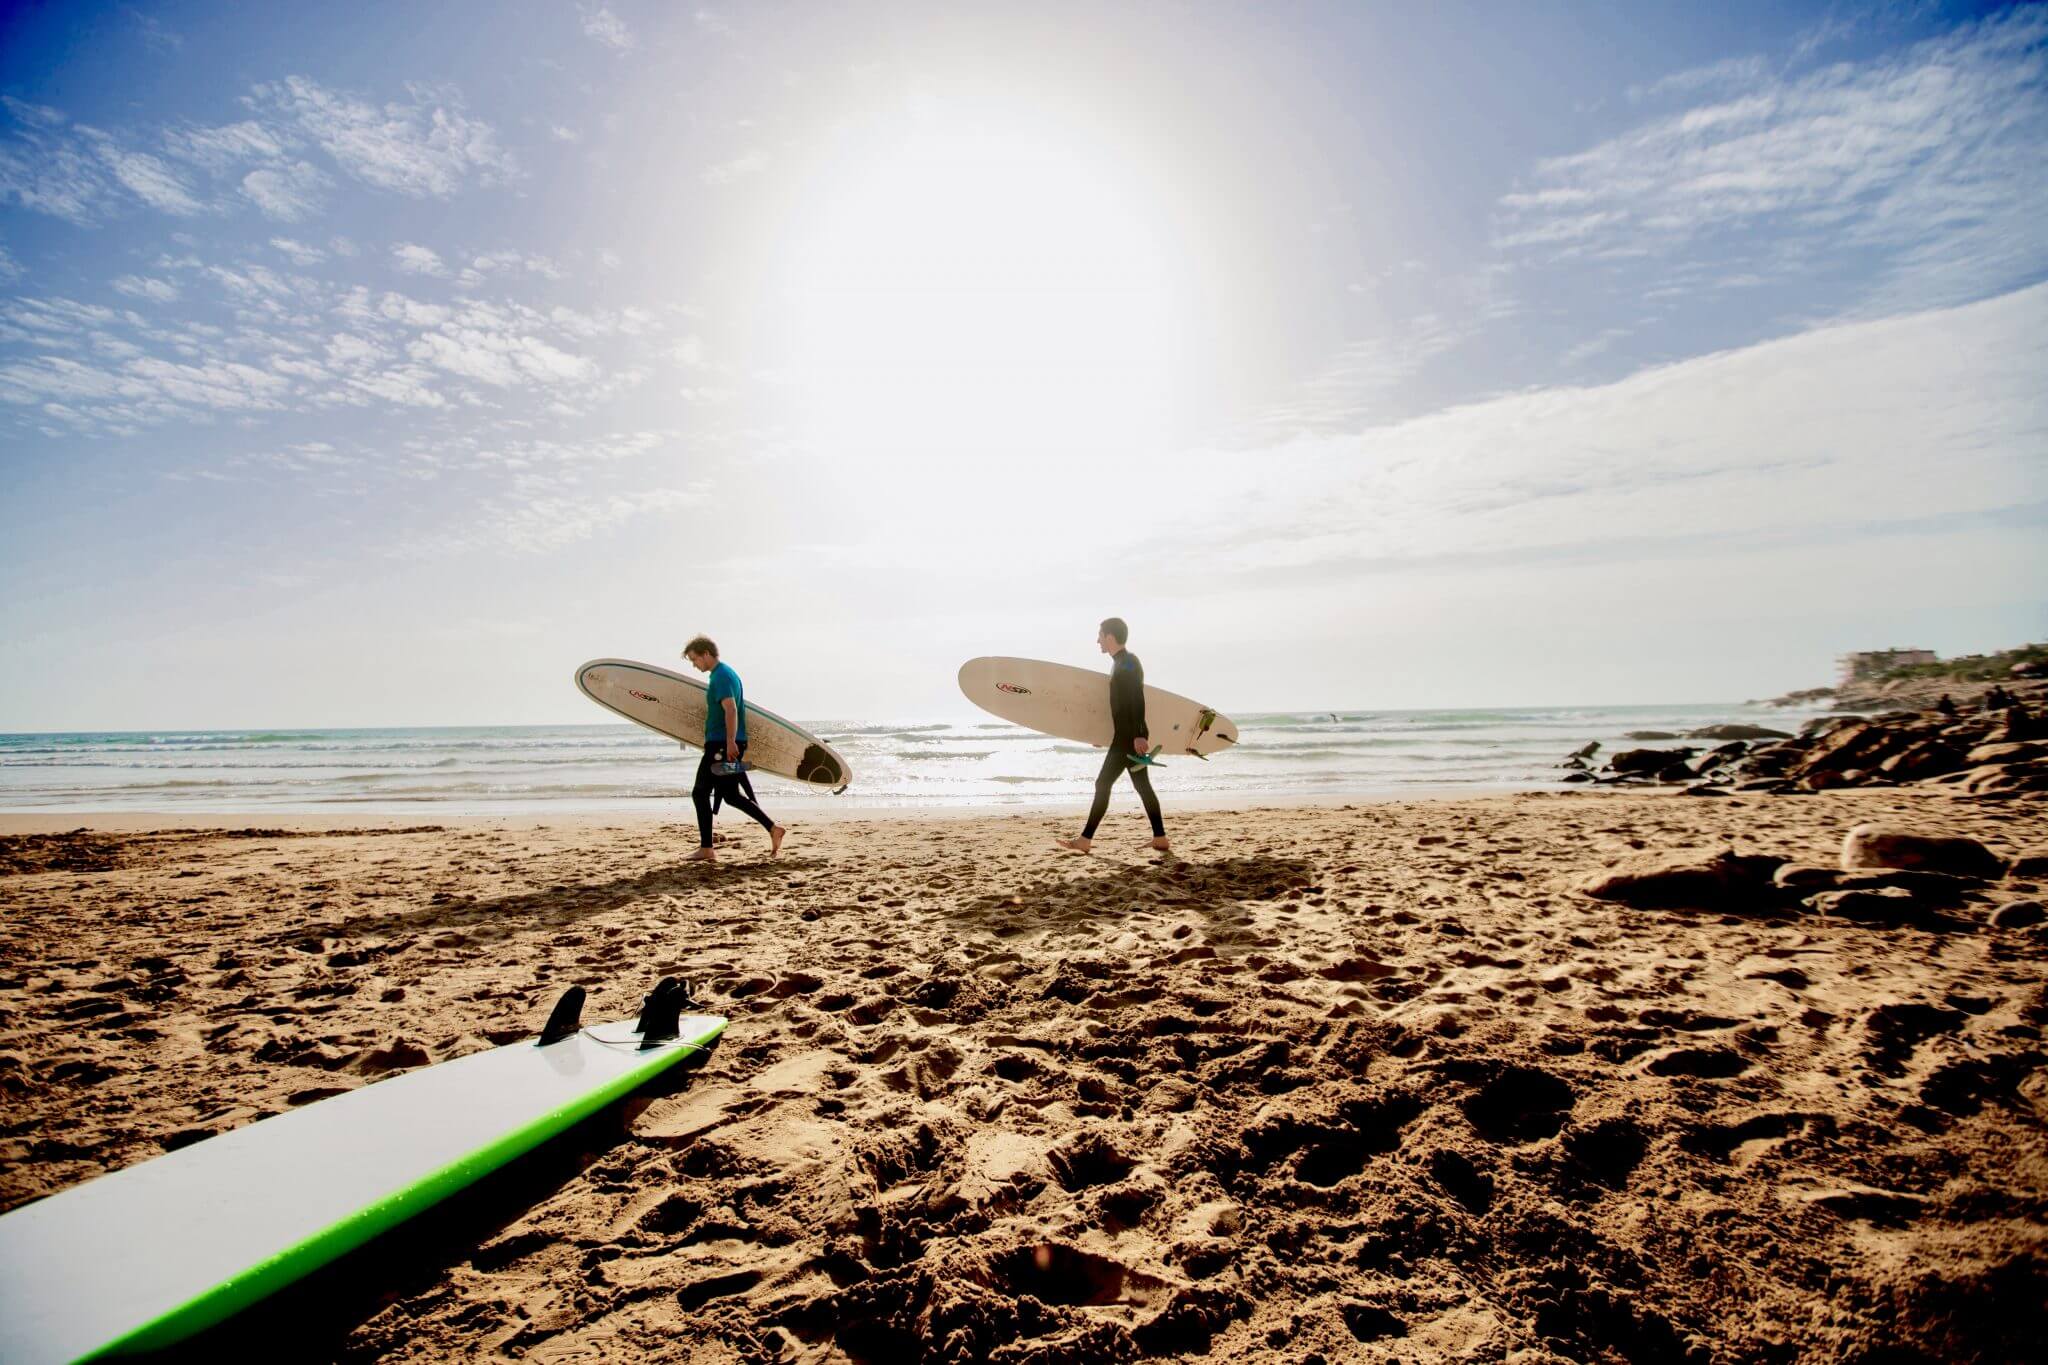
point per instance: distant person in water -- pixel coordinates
(725, 741)
(1129, 740)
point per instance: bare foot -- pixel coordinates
(1160, 845)
(702, 855)
(1076, 845)
(775, 838)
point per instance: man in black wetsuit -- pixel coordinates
(725, 744)
(1129, 742)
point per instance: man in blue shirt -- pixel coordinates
(1128, 741)
(725, 740)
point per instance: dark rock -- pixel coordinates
(1889, 905)
(1922, 759)
(1860, 746)
(1647, 760)
(1928, 888)
(2004, 753)
(2004, 779)
(1651, 734)
(1736, 732)
(1883, 846)
(2018, 915)
(1723, 881)
(1806, 878)
(2032, 863)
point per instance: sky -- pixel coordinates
(378, 364)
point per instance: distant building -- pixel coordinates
(1853, 668)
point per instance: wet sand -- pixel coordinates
(1358, 1083)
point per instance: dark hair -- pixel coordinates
(1115, 626)
(703, 644)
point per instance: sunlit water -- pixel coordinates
(936, 765)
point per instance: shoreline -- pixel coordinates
(141, 821)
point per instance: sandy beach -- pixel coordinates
(1374, 1082)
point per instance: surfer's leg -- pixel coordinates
(737, 791)
(737, 799)
(1112, 763)
(1142, 780)
(700, 795)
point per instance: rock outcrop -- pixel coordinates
(1889, 875)
(1881, 846)
(1986, 751)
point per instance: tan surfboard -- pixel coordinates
(1073, 703)
(673, 705)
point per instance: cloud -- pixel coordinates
(498, 262)
(10, 269)
(49, 168)
(222, 149)
(1841, 431)
(425, 147)
(1731, 71)
(155, 33)
(607, 28)
(147, 178)
(33, 115)
(739, 168)
(1929, 158)
(412, 312)
(288, 191)
(414, 259)
(541, 524)
(1362, 382)
(407, 386)
(52, 321)
(501, 358)
(142, 287)
(146, 388)
(351, 351)
(298, 253)
(1372, 379)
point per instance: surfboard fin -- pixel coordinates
(566, 1019)
(661, 1012)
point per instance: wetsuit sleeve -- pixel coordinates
(1127, 700)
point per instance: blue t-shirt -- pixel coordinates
(722, 684)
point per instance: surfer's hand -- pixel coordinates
(732, 752)
(1139, 745)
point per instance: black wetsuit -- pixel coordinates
(734, 791)
(1127, 715)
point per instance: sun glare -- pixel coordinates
(974, 286)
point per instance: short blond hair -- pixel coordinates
(702, 644)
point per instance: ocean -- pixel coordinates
(937, 765)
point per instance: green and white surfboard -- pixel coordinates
(143, 1257)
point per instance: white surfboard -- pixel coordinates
(673, 705)
(144, 1257)
(1073, 703)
